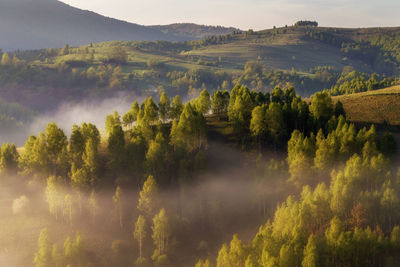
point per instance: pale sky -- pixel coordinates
(249, 14)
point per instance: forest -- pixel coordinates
(237, 177)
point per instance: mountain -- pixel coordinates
(34, 24)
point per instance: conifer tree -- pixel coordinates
(236, 253)
(150, 111)
(310, 253)
(176, 107)
(116, 146)
(164, 107)
(223, 257)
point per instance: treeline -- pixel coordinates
(356, 82)
(65, 74)
(256, 76)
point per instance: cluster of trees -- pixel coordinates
(271, 118)
(73, 254)
(346, 213)
(306, 23)
(257, 77)
(353, 221)
(161, 228)
(193, 81)
(163, 142)
(355, 82)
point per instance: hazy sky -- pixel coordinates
(246, 14)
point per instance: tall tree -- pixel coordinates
(43, 257)
(223, 257)
(76, 144)
(67, 208)
(56, 146)
(219, 104)
(176, 107)
(275, 122)
(139, 233)
(258, 127)
(116, 146)
(93, 206)
(203, 102)
(118, 205)
(8, 158)
(310, 253)
(111, 121)
(161, 233)
(147, 196)
(150, 111)
(321, 107)
(164, 107)
(190, 131)
(54, 195)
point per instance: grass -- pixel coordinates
(380, 106)
(279, 51)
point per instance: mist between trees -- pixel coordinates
(169, 183)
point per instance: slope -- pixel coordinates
(28, 24)
(380, 106)
(303, 48)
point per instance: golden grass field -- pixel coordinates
(379, 106)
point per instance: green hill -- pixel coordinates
(308, 58)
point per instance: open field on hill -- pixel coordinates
(380, 106)
(286, 50)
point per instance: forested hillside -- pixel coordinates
(308, 58)
(169, 182)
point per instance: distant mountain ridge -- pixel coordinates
(35, 24)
